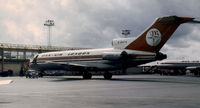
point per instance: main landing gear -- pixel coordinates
(107, 75)
(87, 75)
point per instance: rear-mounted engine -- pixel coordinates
(160, 56)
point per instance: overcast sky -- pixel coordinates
(94, 23)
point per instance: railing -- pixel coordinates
(35, 47)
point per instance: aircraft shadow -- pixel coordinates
(66, 79)
(5, 102)
(157, 80)
(149, 80)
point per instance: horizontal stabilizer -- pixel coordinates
(194, 21)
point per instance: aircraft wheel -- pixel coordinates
(107, 75)
(87, 75)
(124, 71)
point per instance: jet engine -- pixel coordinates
(160, 56)
(114, 55)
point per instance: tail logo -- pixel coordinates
(153, 37)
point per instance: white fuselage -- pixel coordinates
(89, 54)
(99, 59)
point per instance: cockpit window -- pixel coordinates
(35, 60)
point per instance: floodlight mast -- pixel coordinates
(126, 33)
(49, 24)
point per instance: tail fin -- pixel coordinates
(157, 35)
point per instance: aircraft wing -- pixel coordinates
(73, 65)
(193, 67)
(3, 82)
(68, 64)
(83, 65)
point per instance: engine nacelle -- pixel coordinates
(114, 55)
(160, 56)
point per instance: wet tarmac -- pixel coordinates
(133, 91)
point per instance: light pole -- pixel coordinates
(126, 33)
(49, 23)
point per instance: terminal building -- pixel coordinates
(14, 57)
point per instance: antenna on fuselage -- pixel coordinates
(126, 33)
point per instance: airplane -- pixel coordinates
(3, 82)
(173, 67)
(125, 52)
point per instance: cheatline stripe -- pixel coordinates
(179, 63)
(87, 57)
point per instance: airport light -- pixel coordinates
(126, 33)
(49, 24)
